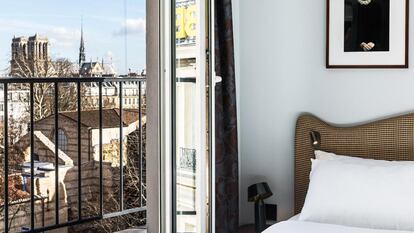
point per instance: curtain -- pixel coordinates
(227, 172)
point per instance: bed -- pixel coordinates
(390, 139)
(294, 226)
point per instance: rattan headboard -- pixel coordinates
(388, 139)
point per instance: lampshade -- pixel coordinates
(258, 192)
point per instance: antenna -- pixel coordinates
(126, 35)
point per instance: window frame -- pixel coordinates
(155, 140)
(205, 86)
(159, 125)
(153, 61)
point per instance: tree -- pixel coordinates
(134, 191)
(43, 93)
(23, 67)
(15, 158)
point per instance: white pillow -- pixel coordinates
(323, 155)
(361, 195)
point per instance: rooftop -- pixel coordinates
(110, 117)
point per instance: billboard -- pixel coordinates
(186, 22)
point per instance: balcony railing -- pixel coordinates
(68, 156)
(188, 159)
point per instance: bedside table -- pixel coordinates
(247, 229)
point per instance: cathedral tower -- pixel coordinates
(29, 55)
(82, 48)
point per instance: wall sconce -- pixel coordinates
(315, 139)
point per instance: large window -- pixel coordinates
(73, 97)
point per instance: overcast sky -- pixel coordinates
(104, 29)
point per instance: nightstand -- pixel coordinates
(247, 229)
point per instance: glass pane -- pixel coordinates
(188, 116)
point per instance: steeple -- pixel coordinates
(82, 47)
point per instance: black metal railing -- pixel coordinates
(187, 163)
(30, 84)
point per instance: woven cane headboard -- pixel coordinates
(388, 139)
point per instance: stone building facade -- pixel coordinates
(110, 94)
(30, 56)
(32, 48)
(68, 135)
(44, 149)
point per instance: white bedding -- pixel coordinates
(294, 226)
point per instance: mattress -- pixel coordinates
(295, 226)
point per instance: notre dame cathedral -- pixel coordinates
(30, 57)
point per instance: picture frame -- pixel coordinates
(367, 34)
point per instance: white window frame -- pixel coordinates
(155, 145)
(166, 115)
(159, 147)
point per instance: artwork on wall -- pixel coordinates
(367, 34)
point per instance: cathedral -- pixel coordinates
(92, 69)
(30, 56)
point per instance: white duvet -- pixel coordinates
(310, 227)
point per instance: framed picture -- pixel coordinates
(367, 34)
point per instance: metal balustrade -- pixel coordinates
(188, 159)
(30, 83)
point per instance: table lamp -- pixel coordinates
(257, 193)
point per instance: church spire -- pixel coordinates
(82, 47)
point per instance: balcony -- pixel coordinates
(72, 154)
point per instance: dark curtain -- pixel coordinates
(227, 180)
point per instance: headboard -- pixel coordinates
(387, 139)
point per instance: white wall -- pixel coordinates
(281, 57)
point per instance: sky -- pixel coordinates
(104, 23)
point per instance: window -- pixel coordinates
(192, 117)
(79, 42)
(62, 141)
